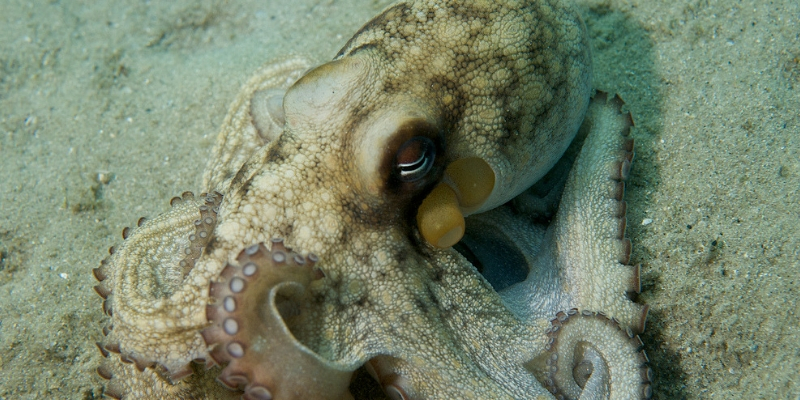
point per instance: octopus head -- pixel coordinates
(421, 146)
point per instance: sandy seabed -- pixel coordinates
(108, 110)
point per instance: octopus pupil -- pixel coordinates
(415, 159)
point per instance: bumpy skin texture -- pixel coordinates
(504, 81)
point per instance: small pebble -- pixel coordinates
(647, 221)
(104, 177)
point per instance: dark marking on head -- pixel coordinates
(420, 303)
(438, 275)
(401, 254)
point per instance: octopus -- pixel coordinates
(440, 207)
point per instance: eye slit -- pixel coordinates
(415, 158)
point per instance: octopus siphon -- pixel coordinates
(440, 207)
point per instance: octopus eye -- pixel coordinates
(415, 159)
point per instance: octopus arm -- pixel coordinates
(126, 381)
(582, 266)
(256, 304)
(589, 232)
(583, 260)
(152, 289)
(589, 357)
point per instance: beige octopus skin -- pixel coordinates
(308, 157)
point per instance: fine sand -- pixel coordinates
(107, 111)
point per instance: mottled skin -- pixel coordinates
(504, 81)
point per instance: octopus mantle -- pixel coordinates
(440, 206)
